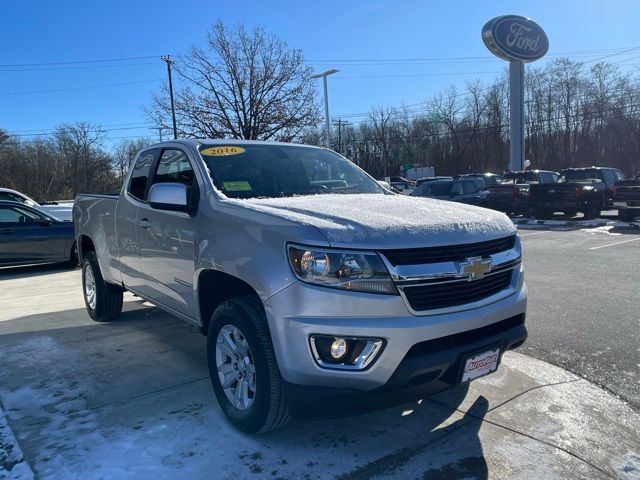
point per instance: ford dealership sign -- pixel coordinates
(515, 38)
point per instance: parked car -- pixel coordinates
(317, 298)
(587, 190)
(387, 186)
(422, 180)
(402, 184)
(29, 236)
(490, 179)
(61, 211)
(512, 194)
(464, 190)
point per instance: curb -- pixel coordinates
(13, 465)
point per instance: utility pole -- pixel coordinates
(159, 132)
(167, 59)
(324, 76)
(340, 123)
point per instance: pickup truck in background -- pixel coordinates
(320, 292)
(512, 194)
(628, 191)
(588, 190)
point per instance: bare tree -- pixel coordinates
(247, 85)
(124, 152)
(80, 150)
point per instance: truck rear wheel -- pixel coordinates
(103, 301)
(591, 212)
(243, 368)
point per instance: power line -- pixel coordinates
(55, 90)
(619, 51)
(612, 55)
(44, 134)
(16, 132)
(46, 69)
(76, 62)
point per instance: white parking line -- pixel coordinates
(534, 233)
(612, 244)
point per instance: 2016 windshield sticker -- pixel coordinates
(222, 151)
(236, 186)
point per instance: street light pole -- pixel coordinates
(167, 58)
(327, 126)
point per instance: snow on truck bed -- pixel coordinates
(351, 218)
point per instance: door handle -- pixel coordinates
(7, 231)
(144, 223)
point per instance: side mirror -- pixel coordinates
(45, 222)
(168, 196)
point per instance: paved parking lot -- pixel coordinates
(584, 305)
(132, 398)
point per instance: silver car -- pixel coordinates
(320, 292)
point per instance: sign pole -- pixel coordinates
(517, 40)
(516, 114)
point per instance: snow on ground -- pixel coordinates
(12, 463)
(597, 225)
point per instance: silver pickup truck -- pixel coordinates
(320, 292)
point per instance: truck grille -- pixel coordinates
(448, 253)
(459, 292)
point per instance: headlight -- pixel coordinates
(362, 272)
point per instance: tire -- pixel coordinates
(542, 213)
(106, 302)
(591, 212)
(265, 408)
(570, 213)
(73, 257)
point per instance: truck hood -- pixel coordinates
(375, 221)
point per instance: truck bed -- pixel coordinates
(628, 191)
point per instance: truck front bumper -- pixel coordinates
(422, 355)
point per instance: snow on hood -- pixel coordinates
(387, 221)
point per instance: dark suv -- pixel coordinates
(587, 190)
(465, 190)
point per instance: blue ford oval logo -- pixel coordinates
(512, 37)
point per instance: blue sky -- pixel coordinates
(330, 33)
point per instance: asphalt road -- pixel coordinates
(584, 305)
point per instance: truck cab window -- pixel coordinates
(138, 183)
(174, 167)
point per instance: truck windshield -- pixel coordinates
(264, 171)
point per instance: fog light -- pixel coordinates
(345, 353)
(338, 348)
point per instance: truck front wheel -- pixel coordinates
(103, 301)
(243, 368)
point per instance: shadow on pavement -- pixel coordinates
(133, 396)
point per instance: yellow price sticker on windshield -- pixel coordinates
(236, 186)
(222, 150)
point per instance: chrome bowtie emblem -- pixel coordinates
(475, 268)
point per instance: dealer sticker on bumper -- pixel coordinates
(481, 364)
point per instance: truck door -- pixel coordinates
(166, 238)
(133, 196)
